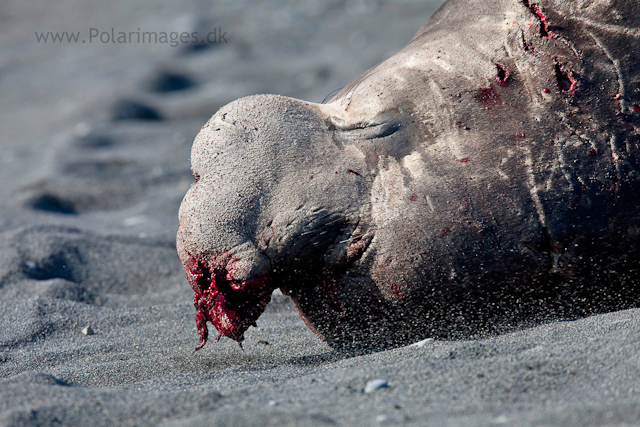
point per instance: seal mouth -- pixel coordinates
(231, 305)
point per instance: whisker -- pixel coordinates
(331, 94)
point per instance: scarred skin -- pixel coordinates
(486, 175)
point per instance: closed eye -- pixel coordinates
(369, 130)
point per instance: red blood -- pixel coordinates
(357, 248)
(201, 325)
(546, 90)
(489, 98)
(521, 135)
(196, 175)
(502, 78)
(544, 23)
(353, 172)
(636, 108)
(464, 160)
(564, 77)
(445, 232)
(593, 152)
(413, 197)
(311, 177)
(396, 290)
(354, 250)
(232, 306)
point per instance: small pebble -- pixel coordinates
(382, 418)
(135, 220)
(272, 403)
(422, 343)
(82, 129)
(374, 385)
(502, 419)
(88, 330)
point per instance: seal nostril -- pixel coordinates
(199, 276)
(221, 282)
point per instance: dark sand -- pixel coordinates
(94, 162)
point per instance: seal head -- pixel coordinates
(278, 192)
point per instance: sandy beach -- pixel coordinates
(96, 316)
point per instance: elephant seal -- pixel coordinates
(486, 175)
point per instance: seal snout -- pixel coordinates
(231, 303)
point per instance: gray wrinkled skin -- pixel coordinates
(485, 175)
